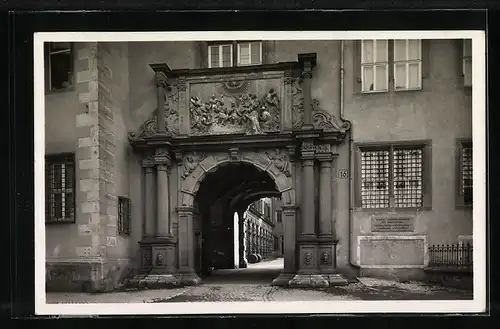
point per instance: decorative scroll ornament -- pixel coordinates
(324, 120)
(149, 127)
(280, 160)
(297, 103)
(191, 161)
(243, 113)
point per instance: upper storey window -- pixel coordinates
(467, 62)
(235, 54)
(386, 60)
(58, 65)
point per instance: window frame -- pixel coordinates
(466, 58)
(407, 63)
(238, 58)
(122, 228)
(221, 58)
(279, 216)
(459, 197)
(235, 51)
(48, 72)
(425, 145)
(52, 159)
(373, 65)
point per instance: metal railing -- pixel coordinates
(451, 255)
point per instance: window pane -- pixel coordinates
(60, 70)
(414, 79)
(381, 77)
(413, 49)
(399, 50)
(367, 46)
(226, 55)
(57, 176)
(368, 78)
(57, 197)
(468, 72)
(214, 56)
(400, 76)
(69, 211)
(381, 46)
(467, 47)
(255, 48)
(375, 179)
(466, 169)
(407, 171)
(244, 54)
(58, 46)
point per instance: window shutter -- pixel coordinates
(357, 66)
(267, 52)
(255, 53)
(226, 55)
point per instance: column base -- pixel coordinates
(317, 281)
(164, 281)
(282, 280)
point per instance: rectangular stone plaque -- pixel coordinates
(399, 224)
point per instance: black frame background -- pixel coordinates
(18, 28)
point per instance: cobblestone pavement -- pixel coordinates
(253, 284)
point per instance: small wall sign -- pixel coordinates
(393, 225)
(343, 173)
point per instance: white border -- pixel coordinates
(393, 238)
(478, 304)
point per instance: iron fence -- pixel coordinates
(454, 255)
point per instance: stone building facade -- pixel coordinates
(153, 146)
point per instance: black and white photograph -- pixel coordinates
(260, 172)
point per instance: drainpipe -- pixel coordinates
(351, 169)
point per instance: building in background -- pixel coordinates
(367, 144)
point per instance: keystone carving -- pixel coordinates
(235, 114)
(191, 161)
(280, 159)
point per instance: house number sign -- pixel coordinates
(343, 173)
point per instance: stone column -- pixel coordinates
(242, 239)
(308, 62)
(161, 84)
(149, 199)
(187, 247)
(325, 196)
(289, 213)
(163, 227)
(308, 229)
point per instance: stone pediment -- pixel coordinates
(257, 100)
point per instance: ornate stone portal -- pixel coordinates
(263, 116)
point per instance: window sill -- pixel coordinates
(62, 222)
(59, 91)
(373, 92)
(407, 90)
(392, 209)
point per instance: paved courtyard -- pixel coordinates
(253, 284)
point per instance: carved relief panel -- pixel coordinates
(237, 106)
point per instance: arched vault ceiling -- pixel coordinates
(235, 183)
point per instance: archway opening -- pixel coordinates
(235, 216)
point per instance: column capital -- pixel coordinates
(325, 159)
(148, 162)
(160, 80)
(289, 209)
(185, 210)
(163, 157)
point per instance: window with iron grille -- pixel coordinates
(60, 188)
(392, 176)
(123, 216)
(465, 171)
(267, 210)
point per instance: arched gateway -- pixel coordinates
(223, 138)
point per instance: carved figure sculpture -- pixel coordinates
(245, 112)
(281, 161)
(191, 161)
